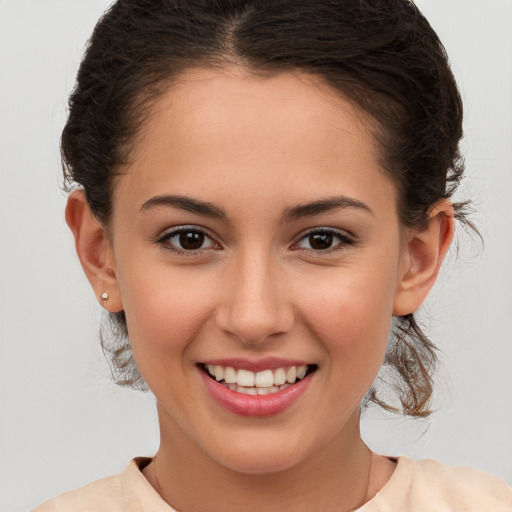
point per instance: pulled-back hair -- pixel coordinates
(380, 54)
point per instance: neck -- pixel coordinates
(337, 477)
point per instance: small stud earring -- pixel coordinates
(104, 297)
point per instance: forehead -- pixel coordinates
(226, 132)
(208, 98)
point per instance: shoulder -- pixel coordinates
(128, 491)
(429, 486)
(104, 494)
(460, 485)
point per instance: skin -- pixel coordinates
(255, 148)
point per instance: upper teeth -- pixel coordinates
(263, 379)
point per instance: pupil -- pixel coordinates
(320, 241)
(191, 240)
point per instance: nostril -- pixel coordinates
(254, 315)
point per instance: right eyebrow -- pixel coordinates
(187, 204)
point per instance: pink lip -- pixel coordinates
(267, 363)
(255, 405)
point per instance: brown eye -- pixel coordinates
(324, 240)
(191, 240)
(184, 239)
(320, 241)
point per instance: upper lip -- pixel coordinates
(255, 365)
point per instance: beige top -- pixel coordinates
(415, 486)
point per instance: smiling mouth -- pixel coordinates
(257, 383)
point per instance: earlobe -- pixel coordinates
(94, 251)
(423, 255)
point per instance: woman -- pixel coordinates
(265, 186)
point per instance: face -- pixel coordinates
(255, 235)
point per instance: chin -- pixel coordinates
(260, 463)
(265, 456)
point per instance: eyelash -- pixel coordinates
(344, 241)
(165, 240)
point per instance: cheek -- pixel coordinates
(164, 311)
(351, 316)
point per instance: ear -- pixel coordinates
(422, 255)
(94, 251)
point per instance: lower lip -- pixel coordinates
(256, 405)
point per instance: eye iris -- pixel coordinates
(321, 241)
(191, 240)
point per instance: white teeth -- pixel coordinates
(245, 378)
(291, 375)
(261, 383)
(301, 372)
(264, 379)
(246, 391)
(230, 375)
(256, 391)
(279, 376)
(219, 373)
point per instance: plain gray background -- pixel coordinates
(63, 423)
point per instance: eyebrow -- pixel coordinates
(326, 205)
(188, 204)
(294, 213)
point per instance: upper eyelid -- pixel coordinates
(178, 229)
(324, 229)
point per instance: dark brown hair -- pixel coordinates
(381, 54)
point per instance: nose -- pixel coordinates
(255, 308)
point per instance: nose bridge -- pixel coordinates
(256, 306)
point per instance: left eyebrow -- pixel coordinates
(322, 206)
